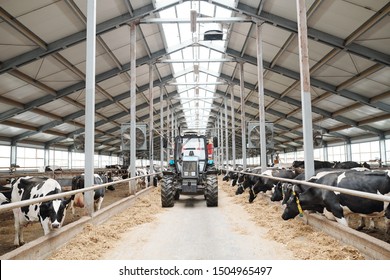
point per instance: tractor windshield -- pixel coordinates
(194, 147)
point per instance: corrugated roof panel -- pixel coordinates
(377, 38)
(369, 88)
(52, 22)
(339, 18)
(25, 94)
(13, 43)
(105, 9)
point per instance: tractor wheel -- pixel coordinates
(167, 191)
(211, 191)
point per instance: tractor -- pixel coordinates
(191, 171)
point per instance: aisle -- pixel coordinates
(190, 230)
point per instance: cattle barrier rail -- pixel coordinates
(23, 203)
(367, 195)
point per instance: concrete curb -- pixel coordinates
(372, 248)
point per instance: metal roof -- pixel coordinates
(42, 70)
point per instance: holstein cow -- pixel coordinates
(50, 214)
(5, 194)
(299, 165)
(78, 199)
(265, 184)
(350, 165)
(245, 181)
(339, 204)
(282, 190)
(142, 182)
(232, 175)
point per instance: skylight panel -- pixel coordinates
(196, 99)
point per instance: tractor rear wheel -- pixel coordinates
(211, 191)
(167, 192)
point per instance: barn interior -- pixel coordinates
(196, 68)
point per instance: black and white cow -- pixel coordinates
(142, 182)
(233, 175)
(350, 165)
(265, 184)
(282, 190)
(246, 181)
(78, 184)
(300, 164)
(50, 214)
(341, 205)
(5, 195)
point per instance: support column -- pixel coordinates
(90, 105)
(382, 150)
(243, 124)
(168, 133)
(151, 144)
(220, 141)
(305, 89)
(161, 128)
(233, 126)
(13, 155)
(348, 150)
(260, 71)
(226, 134)
(133, 100)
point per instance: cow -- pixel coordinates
(232, 175)
(350, 165)
(300, 164)
(142, 182)
(53, 168)
(245, 181)
(51, 214)
(78, 184)
(340, 205)
(5, 194)
(282, 190)
(265, 184)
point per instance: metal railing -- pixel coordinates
(23, 203)
(367, 195)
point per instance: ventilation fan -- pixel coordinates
(79, 142)
(254, 135)
(317, 138)
(140, 136)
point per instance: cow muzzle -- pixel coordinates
(56, 225)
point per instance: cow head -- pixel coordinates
(291, 210)
(54, 212)
(277, 192)
(252, 195)
(240, 189)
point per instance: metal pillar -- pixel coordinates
(233, 126)
(382, 150)
(226, 134)
(305, 89)
(173, 126)
(220, 143)
(161, 128)
(151, 144)
(90, 104)
(133, 100)
(168, 133)
(243, 124)
(348, 150)
(260, 69)
(13, 155)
